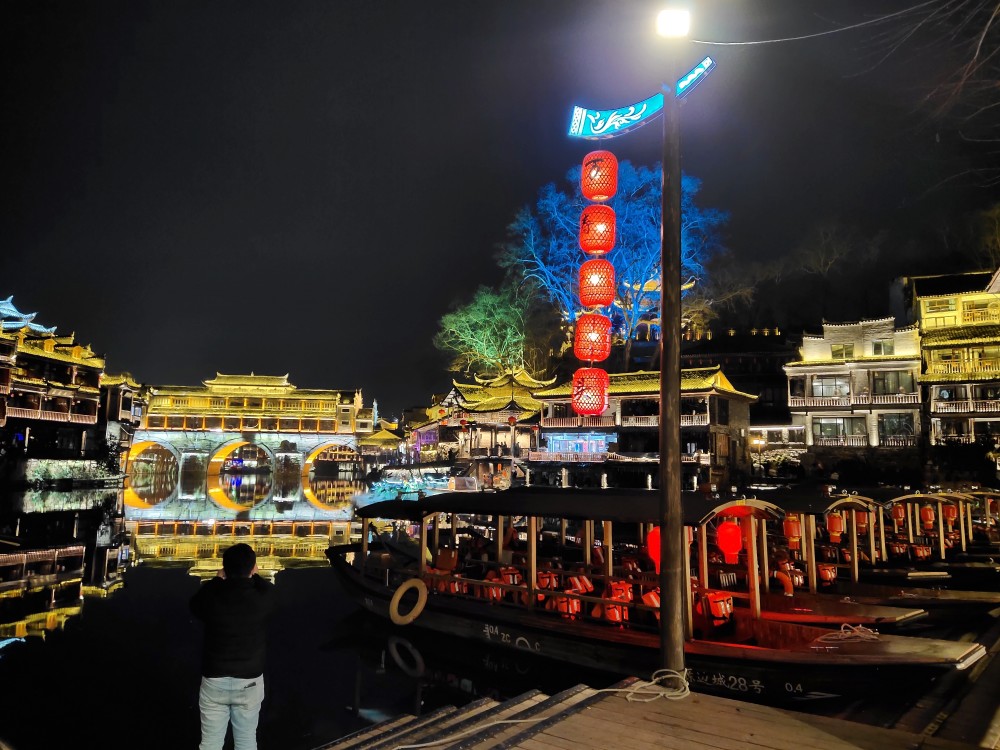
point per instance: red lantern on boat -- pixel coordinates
(729, 539)
(592, 342)
(835, 525)
(898, 514)
(599, 176)
(597, 230)
(597, 283)
(861, 522)
(590, 391)
(653, 546)
(950, 513)
(927, 517)
(793, 532)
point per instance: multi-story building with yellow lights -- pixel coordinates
(959, 320)
(55, 399)
(256, 403)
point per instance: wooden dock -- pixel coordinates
(582, 718)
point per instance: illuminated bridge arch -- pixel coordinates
(132, 498)
(224, 451)
(333, 451)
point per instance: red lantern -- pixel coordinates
(729, 539)
(898, 514)
(599, 176)
(597, 283)
(441, 412)
(597, 230)
(653, 546)
(793, 532)
(463, 422)
(950, 513)
(927, 517)
(535, 428)
(590, 391)
(861, 522)
(511, 421)
(592, 342)
(835, 525)
(444, 422)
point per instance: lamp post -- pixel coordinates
(599, 124)
(672, 23)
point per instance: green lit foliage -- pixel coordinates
(495, 332)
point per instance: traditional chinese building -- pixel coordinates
(233, 420)
(959, 320)
(55, 400)
(621, 446)
(856, 386)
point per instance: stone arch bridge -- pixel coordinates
(214, 447)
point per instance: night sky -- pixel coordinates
(305, 187)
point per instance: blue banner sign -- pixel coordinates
(607, 123)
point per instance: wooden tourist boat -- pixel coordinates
(929, 531)
(602, 612)
(861, 539)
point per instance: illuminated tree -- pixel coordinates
(499, 330)
(543, 244)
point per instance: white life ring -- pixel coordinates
(411, 667)
(413, 614)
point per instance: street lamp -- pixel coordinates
(672, 23)
(595, 124)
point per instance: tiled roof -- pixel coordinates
(648, 382)
(983, 333)
(958, 377)
(852, 360)
(504, 392)
(267, 381)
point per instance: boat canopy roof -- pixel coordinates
(618, 505)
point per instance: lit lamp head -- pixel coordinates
(673, 22)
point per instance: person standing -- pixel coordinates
(234, 607)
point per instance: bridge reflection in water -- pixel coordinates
(177, 517)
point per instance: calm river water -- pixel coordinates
(123, 671)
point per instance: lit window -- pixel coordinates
(939, 305)
(883, 348)
(842, 351)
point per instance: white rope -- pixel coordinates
(641, 692)
(850, 633)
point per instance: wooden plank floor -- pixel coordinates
(703, 722)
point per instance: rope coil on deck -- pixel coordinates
(849, 633)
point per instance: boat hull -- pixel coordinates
(804, 672)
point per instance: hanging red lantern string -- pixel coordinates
(592, 342)
(597, 283)
(597, 230)
(599, 176)
(590, 391)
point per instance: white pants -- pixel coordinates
(230, 699)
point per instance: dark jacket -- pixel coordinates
(235, 612)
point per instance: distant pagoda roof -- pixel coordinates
(12, 319)
(509, 391)
(226, 382)
(259, 385)
(646, 382)
(124, 378)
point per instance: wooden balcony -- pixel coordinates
(842, 441)
(568, 458)
(823, 402)
(83, 418)
(980, 316)
(977, 367)
(965, 406)
(20, 413)
(897, 441)
(643, 421)
(560, 421)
